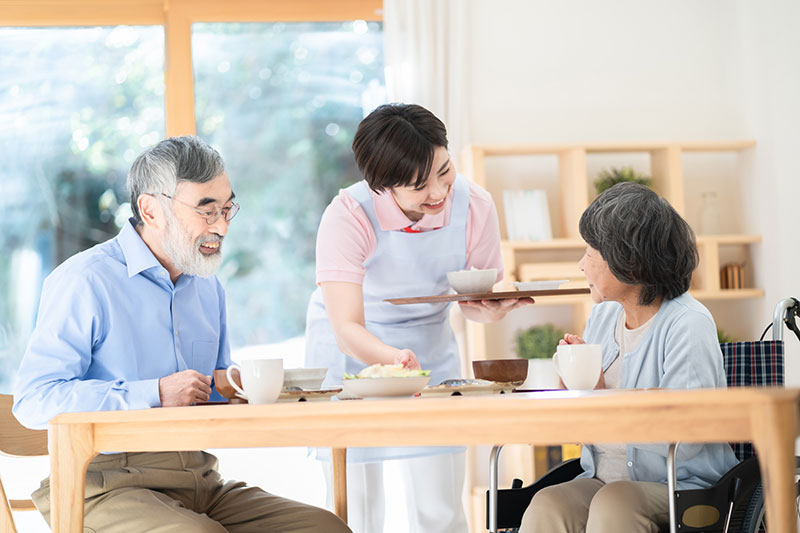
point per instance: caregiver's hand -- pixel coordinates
(491, 310)
(407, 359)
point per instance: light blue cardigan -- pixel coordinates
(679, 351)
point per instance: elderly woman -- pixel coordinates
(638, 262)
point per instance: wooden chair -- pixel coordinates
(16, 441)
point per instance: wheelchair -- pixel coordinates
(735, 504)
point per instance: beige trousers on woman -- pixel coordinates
(591, 506)
(176, 492)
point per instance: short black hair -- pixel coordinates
(394, 145)
(643, 239)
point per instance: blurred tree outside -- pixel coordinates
(280, 101)
(76, 106)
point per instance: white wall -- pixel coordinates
(769, 48)
(627, 70)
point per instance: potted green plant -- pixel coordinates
(538, 342)
(609, 178)
(724, 336)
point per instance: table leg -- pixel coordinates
(774, 431)
(339, 460)
(6, 518)
(71, 450)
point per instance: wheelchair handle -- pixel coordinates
(786, 312)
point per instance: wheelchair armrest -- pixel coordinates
(511, 503)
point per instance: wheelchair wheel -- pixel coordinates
(755, 520)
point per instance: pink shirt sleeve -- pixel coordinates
(346, 239)
(483, 232)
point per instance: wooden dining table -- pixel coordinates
(767, 417)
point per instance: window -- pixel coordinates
(77, 105)
(84, 88)
(282, 102)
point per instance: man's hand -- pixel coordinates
(184, 388)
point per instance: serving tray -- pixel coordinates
(503, 295)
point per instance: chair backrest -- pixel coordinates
(752, 364)
(18, 441)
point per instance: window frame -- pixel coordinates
(177, 17)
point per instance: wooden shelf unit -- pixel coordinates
(573, 197)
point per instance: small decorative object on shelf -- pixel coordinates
(527, 215)
(709, 214)
(732, 276)
(609, 178)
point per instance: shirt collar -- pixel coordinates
(391, 217)
(138, 256)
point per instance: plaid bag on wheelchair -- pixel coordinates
(752, 364)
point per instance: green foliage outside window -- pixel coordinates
(280, 101)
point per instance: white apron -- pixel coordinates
(404, 264)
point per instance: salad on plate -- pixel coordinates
(379, 370)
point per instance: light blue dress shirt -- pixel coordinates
(110, 325)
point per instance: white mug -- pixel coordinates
(262, 379)
(578, 365)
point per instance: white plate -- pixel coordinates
(384, 387)
(539, 285)
(468, 387)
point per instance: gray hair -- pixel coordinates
(162, 167)
(643, 239)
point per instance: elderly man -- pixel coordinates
(137, 322)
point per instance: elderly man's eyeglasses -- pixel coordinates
(210, 216)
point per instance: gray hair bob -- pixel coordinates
(643, 239)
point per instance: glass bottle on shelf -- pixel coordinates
(709, 214)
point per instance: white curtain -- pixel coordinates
(425, 50)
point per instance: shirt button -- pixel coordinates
(630, 463)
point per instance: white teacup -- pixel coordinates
(262, 379)
(578, 365)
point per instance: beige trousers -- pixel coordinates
(180, 492)
(591, 506)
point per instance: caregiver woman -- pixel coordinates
(397, 233)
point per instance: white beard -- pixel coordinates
(184, 254)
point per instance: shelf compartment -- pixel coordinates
(554, 244)
(727, 294)
(550, 270)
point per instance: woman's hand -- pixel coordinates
(569, 338)
(407, 358)
(491, 310)
(601, 383)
